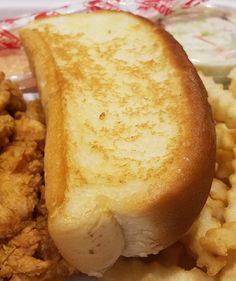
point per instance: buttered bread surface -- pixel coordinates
(130, 142)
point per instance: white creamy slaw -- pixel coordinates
(209, 37)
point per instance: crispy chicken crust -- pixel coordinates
(26, 250)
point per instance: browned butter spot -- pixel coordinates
(102, 116)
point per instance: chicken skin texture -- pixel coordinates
(26, 250)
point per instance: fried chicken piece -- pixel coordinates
(35, 111)
(58, 270)
(32, 255)
(18, 200)
(28, 129)
(21, 277)
(17, 256)
(11, 98)
(5, 95)
(21, 162)
(26, 249)
(7, 129)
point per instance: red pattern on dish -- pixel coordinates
(46, 14)
(192, 3)
(160, 6)
(9, 21)
(94, 5)
(142, 7)
(9, 40)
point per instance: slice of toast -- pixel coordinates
(130, 146)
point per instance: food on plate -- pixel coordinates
(26, 251)
(208, 35)
(130, 148)
(21, 157)
(208, 250)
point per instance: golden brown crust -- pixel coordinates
(191, 188)
(172, 196)
(54, 149)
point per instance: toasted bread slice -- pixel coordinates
(130, 143)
